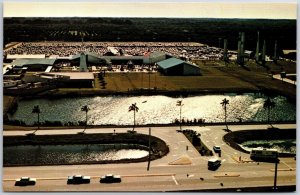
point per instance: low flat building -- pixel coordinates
(25, 56)
(174, 66)
(71, 79)
(33, 64)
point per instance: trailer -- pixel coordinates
(263, 154)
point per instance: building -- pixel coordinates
(70, 79)
(33, 64)
(153, 57)
(290, 54)
(90, 57)
(174, 66)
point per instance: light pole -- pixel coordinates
(149, 150)
(85, 109)
(179, 103)
(275, 175)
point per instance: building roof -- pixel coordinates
(157, 54)
(286, 51)
(168, 63)
(25, 56)
(112, 50)
(22, 62)
(86, 53)
(91, 57)
(74, 75)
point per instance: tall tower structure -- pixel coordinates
(263, 53)
(257, 48)
(241, 48)
(275, 57)
(225, 54)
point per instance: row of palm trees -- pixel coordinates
(268, 104)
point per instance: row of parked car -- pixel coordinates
(75, 179)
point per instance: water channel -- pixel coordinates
(155, 109)
(282, 146)
(69, 154)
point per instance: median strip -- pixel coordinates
(227, 175)
(150, 175)
(290, 169)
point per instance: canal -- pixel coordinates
(70, 154)
(113, 110)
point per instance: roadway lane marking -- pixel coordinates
(173, 177)
(227, 175)
(291, 169)
(287, 165)
(150, 175)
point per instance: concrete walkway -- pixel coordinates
(278, 77)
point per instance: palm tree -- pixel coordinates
(133, 108)
(85, 109)
(269, 104)
(36, 109)
(224, 104)
(179, 103)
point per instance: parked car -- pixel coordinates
(110, 178)
(213, 164)
(217, 149)
(78, 179)
(25, 181)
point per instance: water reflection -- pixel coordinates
(155, 109)
(64, 154)
(282, 146)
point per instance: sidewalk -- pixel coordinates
(277, 76)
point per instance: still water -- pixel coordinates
(155, 109)
(76, 153)
(285, 146)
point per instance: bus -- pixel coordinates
(213, 163)
(263, 154)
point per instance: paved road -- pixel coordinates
(161, 176)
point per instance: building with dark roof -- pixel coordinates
(91, 58)
(174, 66)
(33, 64)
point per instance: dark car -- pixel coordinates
(78, 179)
(25, 181)
(110, 178)
(217, 149)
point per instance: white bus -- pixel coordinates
(213, 163)
(262, 154)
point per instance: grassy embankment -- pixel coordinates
(216, 78)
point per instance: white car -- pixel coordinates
(78, 179)
(110, 178)
(25, 181)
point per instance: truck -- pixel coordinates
(263, 154)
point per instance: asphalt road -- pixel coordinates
(161, 176)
